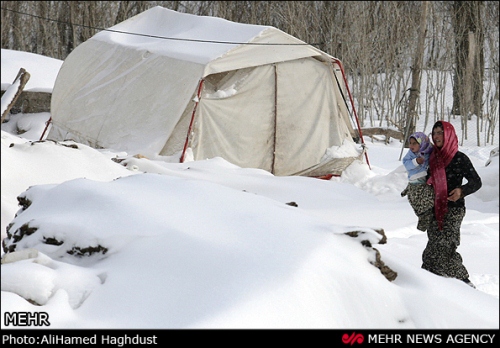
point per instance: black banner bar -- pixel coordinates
(153, 337)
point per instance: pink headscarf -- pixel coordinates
(438, 161)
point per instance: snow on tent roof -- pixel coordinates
(204, 39)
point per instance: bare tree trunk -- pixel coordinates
(123, 11)
(6, 24)
(478, 75)
(468, 50)
(42, 44)
(416, 72)
(469, 70)
(65, 30)
(16, 25)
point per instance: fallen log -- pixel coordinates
(388, 133)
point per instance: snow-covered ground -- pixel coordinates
(207, 244)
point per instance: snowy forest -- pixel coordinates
(404, 61)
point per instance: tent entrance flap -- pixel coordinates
(308, 119)
(235, 118)
(279, 117)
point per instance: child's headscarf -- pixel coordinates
(438, 161)
(423, 140)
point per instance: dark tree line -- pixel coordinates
(447, 42)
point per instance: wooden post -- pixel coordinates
(13, 92)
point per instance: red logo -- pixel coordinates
(353, 338)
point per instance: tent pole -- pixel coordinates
(198, 95)
(335, 60)
(45, 129)
(275, 116)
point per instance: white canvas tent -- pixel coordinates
(163, 82)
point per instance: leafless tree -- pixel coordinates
(377, 42)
